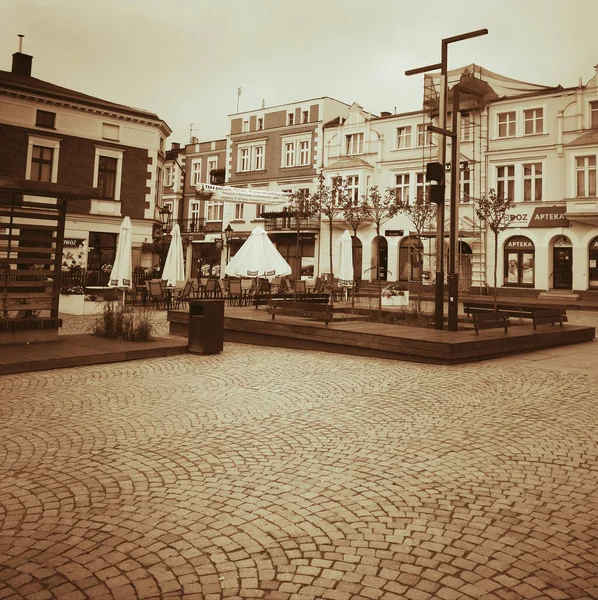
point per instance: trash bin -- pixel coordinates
(206, 326)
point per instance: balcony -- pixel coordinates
(582, 210)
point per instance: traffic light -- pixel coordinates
(435, 175)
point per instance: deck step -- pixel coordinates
(559, 295)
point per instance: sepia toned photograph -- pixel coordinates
(298, 300)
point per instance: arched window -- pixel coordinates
(411, 256)
(519, 262)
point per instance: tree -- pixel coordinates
(354, 215)
(303, 207)
(422, 215)
(494, 209)
(379, 209)
(330, 200)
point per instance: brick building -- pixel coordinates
(53, 134)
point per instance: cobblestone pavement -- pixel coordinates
(293, 475)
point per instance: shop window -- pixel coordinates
(102, 251)
(519, 262)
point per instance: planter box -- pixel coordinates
(75, 304)
(396, 300)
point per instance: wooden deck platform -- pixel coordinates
(346, 336)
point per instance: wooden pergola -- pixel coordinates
(32, 223)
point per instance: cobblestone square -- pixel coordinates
(285, 474)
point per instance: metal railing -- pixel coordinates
(288, 224)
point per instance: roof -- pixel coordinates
(587, 139)
(25, 83)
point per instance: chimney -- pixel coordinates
(175, 146)
(21, 63)
(385, 113)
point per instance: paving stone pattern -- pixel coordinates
(294, 475)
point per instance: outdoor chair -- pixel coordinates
(156, 294)
(300, 287)
(235, 293)
(184, 294)
(212, 289)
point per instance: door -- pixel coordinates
(563, 268)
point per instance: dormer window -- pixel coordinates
(354, 144)
(305, 116)
(290, 119)
(260, 124)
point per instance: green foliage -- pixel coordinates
(124, 324)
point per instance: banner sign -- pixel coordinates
(549, 216)
(225, 193)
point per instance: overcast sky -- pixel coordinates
(186, 59)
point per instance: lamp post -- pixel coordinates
(443, 66)
(165, 215)
(228, 232)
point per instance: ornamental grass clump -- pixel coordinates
(124, 324)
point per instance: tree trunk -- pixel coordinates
(495, 270)
(331, 270)
(297, 260)
(378, 272)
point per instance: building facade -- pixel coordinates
(53, 134)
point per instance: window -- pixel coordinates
(251, 157)
(260, 124)
(168, 177)
(212, 164)
(102, 250)
(43, 118)
(259, 209)
(245, 128)
(289, 155)
(423, 188)
(194, 221)
(354, 144)
(465, 185)
(304, 153)
(42, 159)
(296, 151)
(505, 182)
(519, 262)
(239, 209)
(402, 188)
(353, 189)
(534, 121)
(404, 137)
(214, 211)
(506, 124)
(245, 156)
(466, 126)
(107, 169)
(585, 167)
(195, 172)
(424, 137)
(532, 182)
(41, 163)
(110, 132)
(305, 116)
(290, 118)
(593, 114)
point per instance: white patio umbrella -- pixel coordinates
(258, 257)
(122, 269)
(345, 274)
(174, 265)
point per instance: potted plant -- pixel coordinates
(394, 295)
(74, 301)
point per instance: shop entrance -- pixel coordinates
(563, 268)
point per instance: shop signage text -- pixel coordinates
(519, 242)
(549, 216)
(393, 232)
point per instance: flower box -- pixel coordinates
(76, 304)
(396, 300)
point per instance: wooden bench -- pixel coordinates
(544, 316)
(309, 310)
(511, 310)
(264, 299)
(490, 320)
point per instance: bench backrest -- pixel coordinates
(307, 306)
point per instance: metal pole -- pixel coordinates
(439, 281)
(453, 277)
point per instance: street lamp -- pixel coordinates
(228, 232)
(164, 215)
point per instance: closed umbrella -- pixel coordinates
(122, 269)
(258, 257)
(345, 274)
(174, 265)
